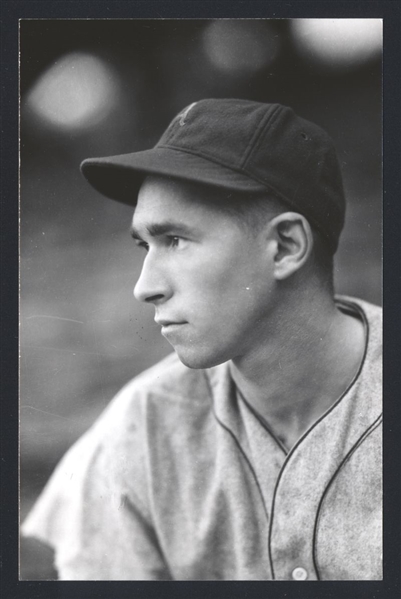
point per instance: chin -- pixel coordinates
(195, 359)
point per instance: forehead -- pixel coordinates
(160, 197)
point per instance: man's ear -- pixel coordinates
(293, 243)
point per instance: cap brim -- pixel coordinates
(120, 177)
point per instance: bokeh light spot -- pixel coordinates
(338, 42)
(78, 91)
(240, 46)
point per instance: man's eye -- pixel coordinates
(174, 241)
(143, 244)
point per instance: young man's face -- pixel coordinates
(208, 276)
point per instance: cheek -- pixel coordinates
(225, 288)
(215, 277)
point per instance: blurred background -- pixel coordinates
(99, 87)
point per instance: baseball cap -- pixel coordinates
(237, 145)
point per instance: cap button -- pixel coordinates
(299, 574)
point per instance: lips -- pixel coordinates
(168, 323)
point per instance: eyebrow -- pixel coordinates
(157, 229)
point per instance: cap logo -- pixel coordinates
(183, 114)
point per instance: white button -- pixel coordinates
(299, 574)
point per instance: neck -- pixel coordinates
(309, 357)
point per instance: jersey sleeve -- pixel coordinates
(94, 512)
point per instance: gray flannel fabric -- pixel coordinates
(178, 480)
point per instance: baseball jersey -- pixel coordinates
(179, 480)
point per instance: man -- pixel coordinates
(254, 451)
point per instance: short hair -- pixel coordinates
(253, 209)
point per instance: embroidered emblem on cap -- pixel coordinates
(183, 115)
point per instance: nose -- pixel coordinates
(151, 286)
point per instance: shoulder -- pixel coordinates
(111, 459)
(168, 379)
(370, 375)
(371, 311)
(167, 382)
(371, 314)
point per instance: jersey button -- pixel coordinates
(299, 574)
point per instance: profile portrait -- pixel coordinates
(200, 266)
